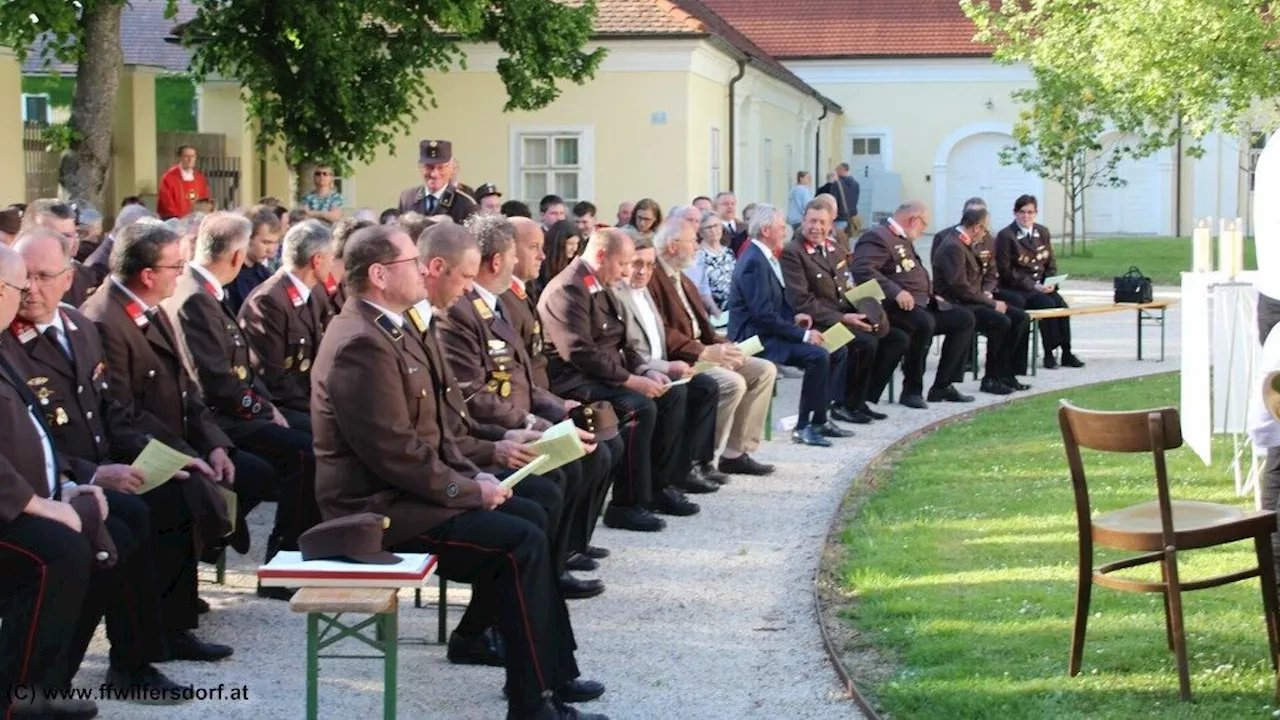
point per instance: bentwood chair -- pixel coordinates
(1159, 530)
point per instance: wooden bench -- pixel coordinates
(328, 604)
(1146, 315)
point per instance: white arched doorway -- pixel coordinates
(967, 164)
(1137, 207)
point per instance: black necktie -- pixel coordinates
(52, 333)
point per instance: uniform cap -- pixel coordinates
(354, 538)
(435, 152)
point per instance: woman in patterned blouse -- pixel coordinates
(712, 269)
(323, 203)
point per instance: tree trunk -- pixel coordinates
(83, 172)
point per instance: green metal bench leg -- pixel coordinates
(768, 417)
(1035, 345)
(313, 664)
(387, 628)
(221, 567)
(1140, 314)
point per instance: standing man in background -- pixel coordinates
(181, 186)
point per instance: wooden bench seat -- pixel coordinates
(1151, 313)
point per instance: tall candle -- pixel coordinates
(1224, 247)
(1237, 248)
(1201, 248)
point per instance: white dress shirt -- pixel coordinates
(50, 467)
(773, 261)
(396, 317)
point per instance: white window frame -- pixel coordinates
(714, 166)
(883, 132)
(48, 108)
(586, 135)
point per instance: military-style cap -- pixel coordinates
(874, 311)
(435, 152)
(354, 538)
(486, 190)
(11, 220)
(597, 418)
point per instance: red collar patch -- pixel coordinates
(330, 285)
(592, 284)
(136, 314)
(295, 297)
(517, 290)
(23, 330)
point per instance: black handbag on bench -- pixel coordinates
(1132, 287)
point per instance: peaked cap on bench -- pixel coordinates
(354, 538)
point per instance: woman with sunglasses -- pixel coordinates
(325, 202)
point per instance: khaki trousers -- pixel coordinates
(745, 395)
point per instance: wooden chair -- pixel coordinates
(1159, 529)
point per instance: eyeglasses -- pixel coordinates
(46, 277)
(22, 289)
(401, 260)
(181, 264)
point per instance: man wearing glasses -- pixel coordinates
(886, 253)
(181, 186)
(61, 218)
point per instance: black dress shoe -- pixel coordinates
(1015, 384)
(475, 650)
(202, 606)
(554, 710)
(1071, 361)
(696, 484)
(185, 646)
(829, 429)
(709, 471)
(673, 502)
(239, 539)
(276, 593)
(578, 589)
(874, 415)
(577, 691)
(36, 705)
(146, 686)
(1050, 362)
(581, 563)
(844, 414)
(632, 518)
(596, 553)
(948, 393)
(744, 465)
(808, 435)
(995, 386)
(913, 400)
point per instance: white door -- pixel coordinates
(1133, 208)
(974, 170)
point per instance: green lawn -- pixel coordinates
(1161, 259)
(963, 569)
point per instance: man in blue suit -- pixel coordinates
(757, 306)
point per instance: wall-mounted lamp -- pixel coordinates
(989, 104)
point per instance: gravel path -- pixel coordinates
(711, 618)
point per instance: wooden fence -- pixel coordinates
(41, 164)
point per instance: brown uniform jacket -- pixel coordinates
(685, 339)
(491, 364)
(22, 468)
(586, 337)
(89, 426)
(816, 280)
(283, 331)
(522, 312)
(472, 439)
(453, 202)
(377, 428)
(958, 271)
(330, 297)
(883, 255)
(1024, 259)
(217, 356)
(144, 369)
(84, 280)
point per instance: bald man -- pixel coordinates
(590, 359)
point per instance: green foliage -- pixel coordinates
(58, 137)
(59, 88)
(336, 82)
(1161, 259)
(1156, 68)
(175, 104)
(964, 569)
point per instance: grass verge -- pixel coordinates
(960, 571)
(1161, 259)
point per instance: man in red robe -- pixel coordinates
(181, 186)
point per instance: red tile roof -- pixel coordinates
(854, 28)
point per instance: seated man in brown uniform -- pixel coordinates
(590, 359)
(378, 439)
(216, 354)
(886, 252)
(960, 278)
(333, 294)
(500, 388)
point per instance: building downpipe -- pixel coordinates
(733, 129)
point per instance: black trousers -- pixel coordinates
(870, 364)
(548, 492)
(1017, 313)
(1271, 495)
(998, 327)
(819, 368)
(291, 467)
(653, 439)
(921, 324)
(45, 566)
(700, 418)
(1268, 316)
(601, 468)
(125, 594)
(173, 554)
(1054, 333)
(482, 611)
(505, 556)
